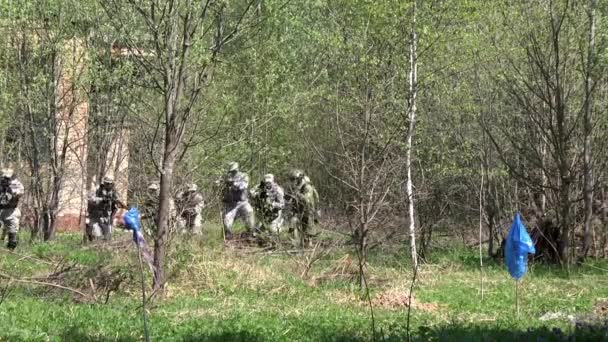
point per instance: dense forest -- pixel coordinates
(422, 124)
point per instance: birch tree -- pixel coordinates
(411, 108)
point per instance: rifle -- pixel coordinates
(5, 191)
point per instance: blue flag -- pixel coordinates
(133, 223)
(517, 247)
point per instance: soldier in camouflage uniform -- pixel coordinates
(269, 201)
(11, 191)
(315, 197)
(190, 205)
(303, 201)
(235, 200)
(101, 208)
(150, 208)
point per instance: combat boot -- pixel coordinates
(227, 234)
(12, 241)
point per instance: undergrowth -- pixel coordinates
(243, 292)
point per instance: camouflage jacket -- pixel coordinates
(10, 193)
(103, 202)
(235, 189)
(306, 198)
(269, 202)
(190, 203)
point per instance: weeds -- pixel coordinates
(217, 293)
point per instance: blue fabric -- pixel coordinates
(517, 247)
(132, 222)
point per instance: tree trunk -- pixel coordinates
(413, 88)
(166, 180)
(363, 254)
(564, 238)
(588, 127)
(162, 219)
(172, 83)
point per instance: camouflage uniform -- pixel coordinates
(190, 204)
(150, 209)
(315, 198)
(269, 201)
(10, 192)
(303, 202)
(236, 201)
(101, 206)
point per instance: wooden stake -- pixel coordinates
(480, 233)
(143, 293)
(517, 299)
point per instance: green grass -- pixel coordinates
(220, 293)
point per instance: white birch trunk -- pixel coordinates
(413, 88)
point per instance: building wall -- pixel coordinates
(118, 163)
(72, 117)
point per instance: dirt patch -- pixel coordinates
(393, 299)
(343, 269)
(601, 307)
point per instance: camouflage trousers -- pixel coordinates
(242, 210)
(302, 224)
(273, 223)
(10, 220)
(99, 226)
(191, 223)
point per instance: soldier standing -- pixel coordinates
(236, 201)
(101, 207)
(303, 202)
(190, 204)
(11, 191)
(269, 200)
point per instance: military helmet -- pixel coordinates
(233, 166)
(192, 187)
(8, 173)
(153, 186)
(107, 180)
(296, 174)
(268, 178)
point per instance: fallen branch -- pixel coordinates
(378, 243)
(35, 282)
(56, 274)
(477, 243)
(93, 289)
(23, 256)
(4, 292)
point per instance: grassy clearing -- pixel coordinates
(221, 293)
